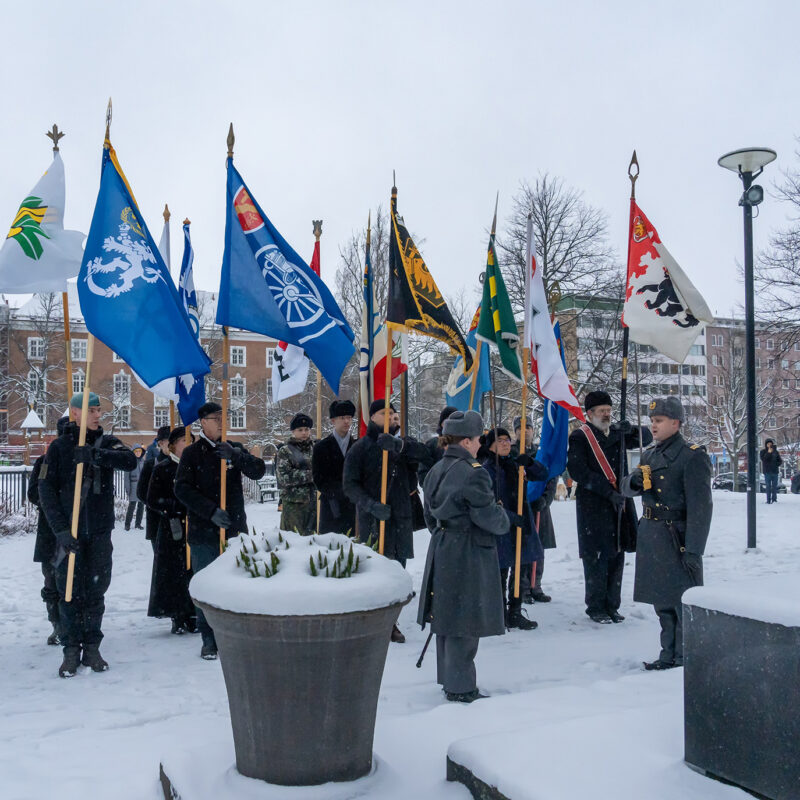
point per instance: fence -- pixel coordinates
(14, 488)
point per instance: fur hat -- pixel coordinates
(666, 407)
(378, 405)
(207, 409)
(163, 433)
(463, 423)
(301, 421)
(176, 434)
(341, 408)
(597, 398)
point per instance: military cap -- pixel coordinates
(341, 408)
(76, 401)
(206, 410)
(463, 423)
(176, 434)
(598, 398)
(163, 433)
(301, 421)
(378, 405)
(666, 407)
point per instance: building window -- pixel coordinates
(270, 355)
(716, 340)
(160, 417)
(770, 344)
(797, 403)
(236, 389)
(35, 347)
(78, 349)
(772, 423)
(117, 359)
(269, 391)
(123, 416)
(771, 363)
(238, 418)
(122, 388)
(784, 363)
(786, 402)
(758, 344)
(785, 383)
(238, 356)
(758, 363)
(686, 390)
(697, 350)
(78, 381)
(717, 361)
(797, 345)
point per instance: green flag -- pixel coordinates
(497, 325)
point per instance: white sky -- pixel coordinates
(461, 98)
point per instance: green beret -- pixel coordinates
(76, 401)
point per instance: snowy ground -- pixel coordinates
(573, 692)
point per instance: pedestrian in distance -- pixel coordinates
(460, 595)
(770, 465)
(674, 482)
(131, 483)
(336, 513)
(197, 486)
(606, 520)
(295, 478)
(80, 619)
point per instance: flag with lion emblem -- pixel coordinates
(415, 303)
(662, 307)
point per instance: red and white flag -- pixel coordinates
(662, 307)
(289, 371)
(546, 364)
(376, 387)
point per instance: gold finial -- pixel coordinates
(55, 135)
(187, 221)
(167, 215)
(108, 120)
(317, 223)
(633, 175)
(369, 227)
(231, 140)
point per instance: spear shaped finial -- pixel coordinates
(108, 120)
(494, 219)
(394, 185)
(633, 175)
(167, 215)
(369, 227)
(231, 140)
(317, 223)
(55, 134)
(187, 221)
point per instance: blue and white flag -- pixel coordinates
(267, 288)
(126, 294)
(553, 442)
(459, 384)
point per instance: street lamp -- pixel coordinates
(748, 164)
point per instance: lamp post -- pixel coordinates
(748, 164)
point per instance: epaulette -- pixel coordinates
(476, 464)
(698, 447)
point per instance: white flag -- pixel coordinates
(289, 371)
(538, 334)
(38, 255)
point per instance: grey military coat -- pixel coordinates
(680, 505)
(461, 594)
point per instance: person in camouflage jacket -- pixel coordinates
(295, 480)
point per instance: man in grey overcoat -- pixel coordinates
(674, 481)
(461, 596)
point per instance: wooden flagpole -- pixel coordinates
(76, 497)
(317, 224)
(386, 420)
(475, 368)
(526, 357)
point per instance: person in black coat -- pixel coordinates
(337, 514)
(81, 619)
(197, 486)
(153, 456)
(435, 450)
(169, 585)
(770, 465)
(606, 520)
(45, 547)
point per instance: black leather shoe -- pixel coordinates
(465, 697)
(659, 665)
(397, 635)
(541, 597)
(72, 660)
(208, 652)
(600, 619)
(92, 658)
(615, 616)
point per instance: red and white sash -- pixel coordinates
(599, 455)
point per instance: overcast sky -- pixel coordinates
(461, 98)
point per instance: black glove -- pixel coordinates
(226, 451)
(623, 426)
(524, 460)
(693, 563)
(176, 528)
(380, 511)
(516, 520)
(637, 480)
(539, 505)
(617, 500)
(221, 518)
(390, 443)
(66, 540)
(84, 454)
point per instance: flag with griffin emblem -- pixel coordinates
(127, 296)
(662, 307)
(267, 288)
(415, 303)
(459, 384)
(38, 255)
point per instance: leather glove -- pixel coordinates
(524, 460)
(226, 451)
(637, 480)
(176, 528)
(66, 540)
(390, 443)
(516, 520)
(84, 454)
(221, 518)
(693, 563)
(623, 426)
(617, 500)
(380, 511)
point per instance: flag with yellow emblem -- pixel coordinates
(415, 303)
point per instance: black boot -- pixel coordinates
(177, 626)
(54, 637)
(208, 651)
(516, 619)
(53, 617)
(465, 697)
(397, 636)
(72, 660)
(659, 665)
(92, 658)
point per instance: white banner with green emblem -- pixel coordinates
(38, 255)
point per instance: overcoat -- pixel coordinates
(197, 485)
(541, 506)
(597, 519)
(337, 514)
(143, 484)
(680, 505)
(461, 593)
(45, 546)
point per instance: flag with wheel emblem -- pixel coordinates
(267, 288)
(662, 307)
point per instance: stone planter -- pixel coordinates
(303, 691)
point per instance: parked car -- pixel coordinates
(724, 481)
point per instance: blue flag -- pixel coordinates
(267, 288)
(191, 389)
(126, 293)
(459, 384)
(553, 442)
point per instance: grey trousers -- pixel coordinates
(671, 619)
(455, 663)
(539, 572)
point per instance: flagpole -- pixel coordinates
(386, 420)
(638, 398)
(404, 404)
(168, 255)
(317, 226)
(475, 368)
(76, 497)
(526, 356)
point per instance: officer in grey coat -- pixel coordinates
(674, 481)
(460, 595)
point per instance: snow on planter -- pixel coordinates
(272, 574)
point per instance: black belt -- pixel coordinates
(650, 512)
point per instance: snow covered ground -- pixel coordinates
(572, 692)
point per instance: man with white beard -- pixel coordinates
(606, 520)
